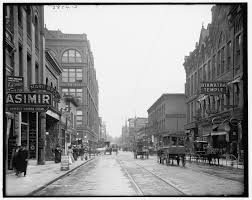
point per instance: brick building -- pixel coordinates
(166, 118)
(219, 55)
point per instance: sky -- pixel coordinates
(138, 51)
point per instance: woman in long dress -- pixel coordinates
(70, 155)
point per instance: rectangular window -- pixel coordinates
(229, 50)
(64, 91)
(209, 70)
(204, 73)
(78, 75)
(200, 74)
(238, 49)
(218, 64)
(72, 91)
(36, 73)
(222, 60)
(213, 68)
(196, 81)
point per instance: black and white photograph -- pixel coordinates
(124, 99)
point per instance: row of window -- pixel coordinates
(216, 66)
(76, 92)
(196, 109)
(72, 75)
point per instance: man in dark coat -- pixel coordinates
(14, 159)
(57, 153)
(22, 160)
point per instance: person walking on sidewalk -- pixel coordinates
(57, 154)
(81, 152)
(22, 160)
(14, 159)
(70, 155)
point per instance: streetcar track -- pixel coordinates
(138, 189)
(170, 184)
(156, 176)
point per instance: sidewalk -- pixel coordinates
(37, 177)
(223, 162)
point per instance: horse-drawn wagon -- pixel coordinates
(171, 153)
(140, 150)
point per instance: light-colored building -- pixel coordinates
(166, 118)
(73, 52)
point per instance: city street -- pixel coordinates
(123, 175)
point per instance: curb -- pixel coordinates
(59, 177)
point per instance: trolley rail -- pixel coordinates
(140, 191)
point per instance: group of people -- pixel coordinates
(20, 160)
(75, 151)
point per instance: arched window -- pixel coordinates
(71, 56)
(28, 20)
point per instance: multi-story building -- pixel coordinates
(219, 56)
(166, 118)
(29, 64)
(135, 124)
(68, 133)
(73, 52)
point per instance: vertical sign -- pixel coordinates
(15, 84)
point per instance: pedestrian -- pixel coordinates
(57, 154)
(75, 153)
(70, 155)
(82, 152)
(14, 159)
(22, 160)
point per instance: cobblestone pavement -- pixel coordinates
(100, 177)
(126, 176)
(190, 180)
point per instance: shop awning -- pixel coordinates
(219, 133)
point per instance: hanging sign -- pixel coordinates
(15, 84)
(35, 87)
(214, 88)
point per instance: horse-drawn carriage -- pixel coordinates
(170, 153)
(140, 150)
(204, 152)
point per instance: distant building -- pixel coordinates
(166, 118)
(135, 124)
(73, 52)
(220, 55)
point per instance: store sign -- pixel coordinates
(15, 84)
(36, 87)
(28, 102)
(213, 88)
(64, 163)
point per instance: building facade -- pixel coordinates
(25, 59)
(166, 118)
(219, 56)
(74, 54)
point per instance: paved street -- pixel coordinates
(122, 175)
